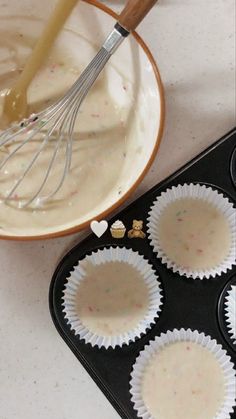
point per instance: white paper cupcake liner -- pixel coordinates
(78, 275)
(230, 312)
(190, 336)
(195, 191)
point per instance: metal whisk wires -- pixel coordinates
(54, 123)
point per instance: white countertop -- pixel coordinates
(40, 378)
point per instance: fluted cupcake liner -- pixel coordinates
(78, 274)
(188, 335)
(230, 312)
(194, 191)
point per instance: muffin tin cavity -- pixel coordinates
(227, 317)
(176, 367)
(192, 228)
(111, 297)
(186, 303)
(233, 167)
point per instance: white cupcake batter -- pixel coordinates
(194, 234)
(183, 380)
(112, 298)
(99, 152)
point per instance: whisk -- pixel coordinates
(58, 120)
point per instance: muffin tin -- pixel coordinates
(187, 303)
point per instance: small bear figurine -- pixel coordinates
(136, 232)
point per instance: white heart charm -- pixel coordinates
(99, 227)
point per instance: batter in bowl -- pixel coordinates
(176, 383)
(112, 298)
(99, 152)
(194, 234)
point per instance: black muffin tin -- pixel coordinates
(187, 303)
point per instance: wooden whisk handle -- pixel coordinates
(134, 12)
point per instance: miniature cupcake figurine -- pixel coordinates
(118, 230)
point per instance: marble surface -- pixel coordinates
(193, 43)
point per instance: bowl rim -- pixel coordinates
(119, 202)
